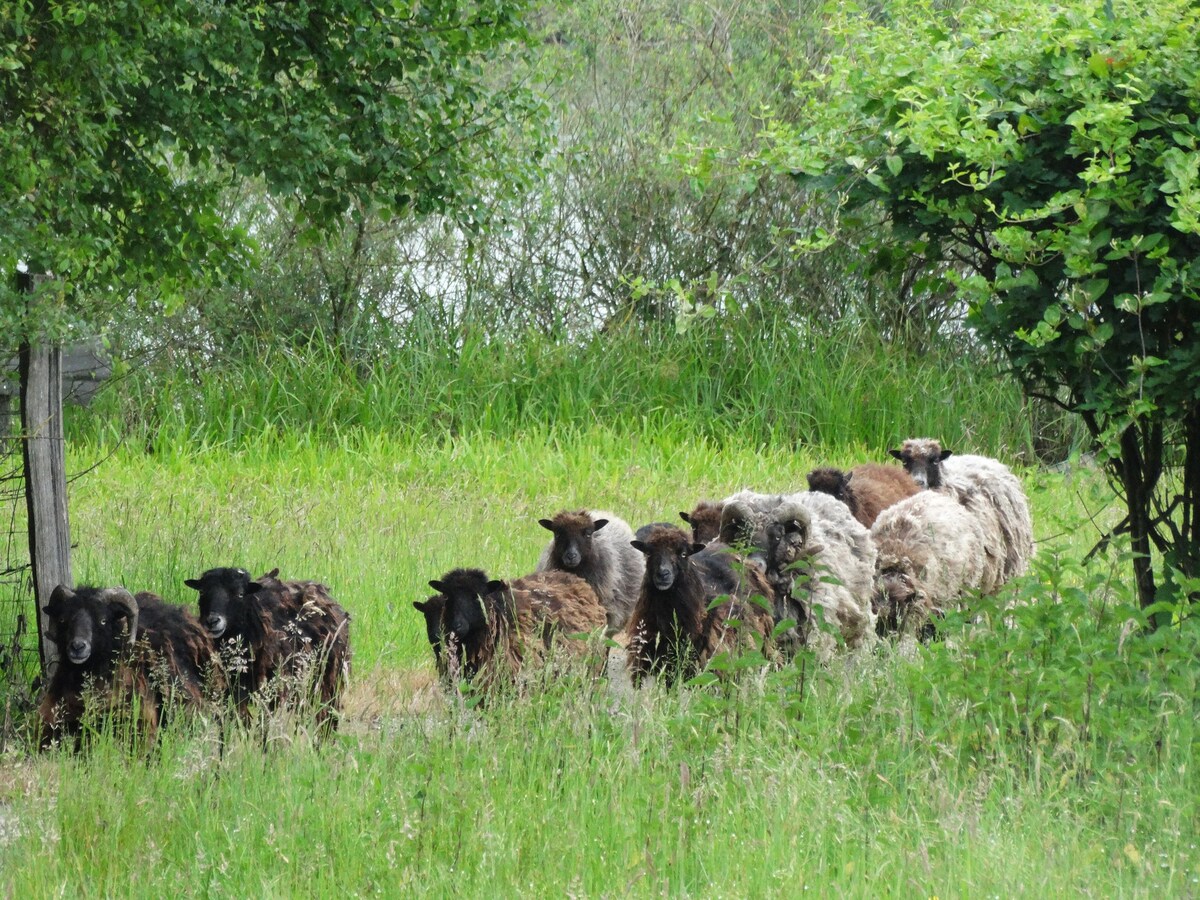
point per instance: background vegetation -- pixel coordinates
(643, 324)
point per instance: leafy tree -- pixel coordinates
(1048, 153)
(124, 120)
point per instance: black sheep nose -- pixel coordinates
(78, 647)
(571, 558)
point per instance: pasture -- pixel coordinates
(1047, 753)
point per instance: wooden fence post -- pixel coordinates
(45, 480)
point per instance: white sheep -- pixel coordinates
(932, 549)
(814, 552)
(937, 469)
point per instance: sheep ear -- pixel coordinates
(846, 479)
(420, 606)
(495, 585)
(439, 586)
(697, 547)
(896, 454)
(642, 546)
(193, 583)
(252, 588)
(686, 517)
(946, 454)
(547, 524)
(598, 524)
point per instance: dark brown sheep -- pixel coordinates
(488, 631)
(125, 652)
(705, 521)
(868, 489)
(673, 632)
(277, 634)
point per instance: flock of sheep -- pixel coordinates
(878, 550)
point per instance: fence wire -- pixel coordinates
(19, 662)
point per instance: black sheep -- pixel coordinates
(124, 650)
(287, 631)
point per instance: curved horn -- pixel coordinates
(121, 599)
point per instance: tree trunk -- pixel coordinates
(1137, 501)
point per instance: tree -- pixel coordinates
(124, 119)
(1049, 153)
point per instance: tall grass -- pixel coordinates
(1049, 752)
(775, 385)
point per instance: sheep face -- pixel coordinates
(572, 538)
(91, 626)
(431, 609)
(666, 550)
(705, 520)
(922, 459)
(223, 607)
(788, 541)
(464, 625)
(742, 527)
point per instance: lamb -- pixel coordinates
(431, 609)
(672, 631)
(868, 489)
(129, 651)
(936, 469)
(279, 633)
(487, 631)
(595, 545)
(933, 548)
(813, 552)
(705, 521)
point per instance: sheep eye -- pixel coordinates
(104, 620)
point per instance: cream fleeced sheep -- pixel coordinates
(814, 553)
(932, 549)
(938, 469)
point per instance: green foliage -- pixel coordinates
(1050, 150)
(125, 120)
(781, 386)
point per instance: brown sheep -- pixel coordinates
(868, 489)
(705, 521)
(488, 631)
(673, 632)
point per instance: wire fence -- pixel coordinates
(20, 665)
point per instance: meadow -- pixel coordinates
(1046, 748)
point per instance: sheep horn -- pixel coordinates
(122, 600)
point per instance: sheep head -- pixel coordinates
(741, 526)
(572, 548)
(922, 459)
(666, 549)
(788, 538)
(705, 520)
(431, 609)
(92, 625)
(828, 480)
(223, 607)
(466, 620)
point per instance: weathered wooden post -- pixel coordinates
(45, 477)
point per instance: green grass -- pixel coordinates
(772, 385)
(1053, 758)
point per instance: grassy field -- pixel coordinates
(1053, 757)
